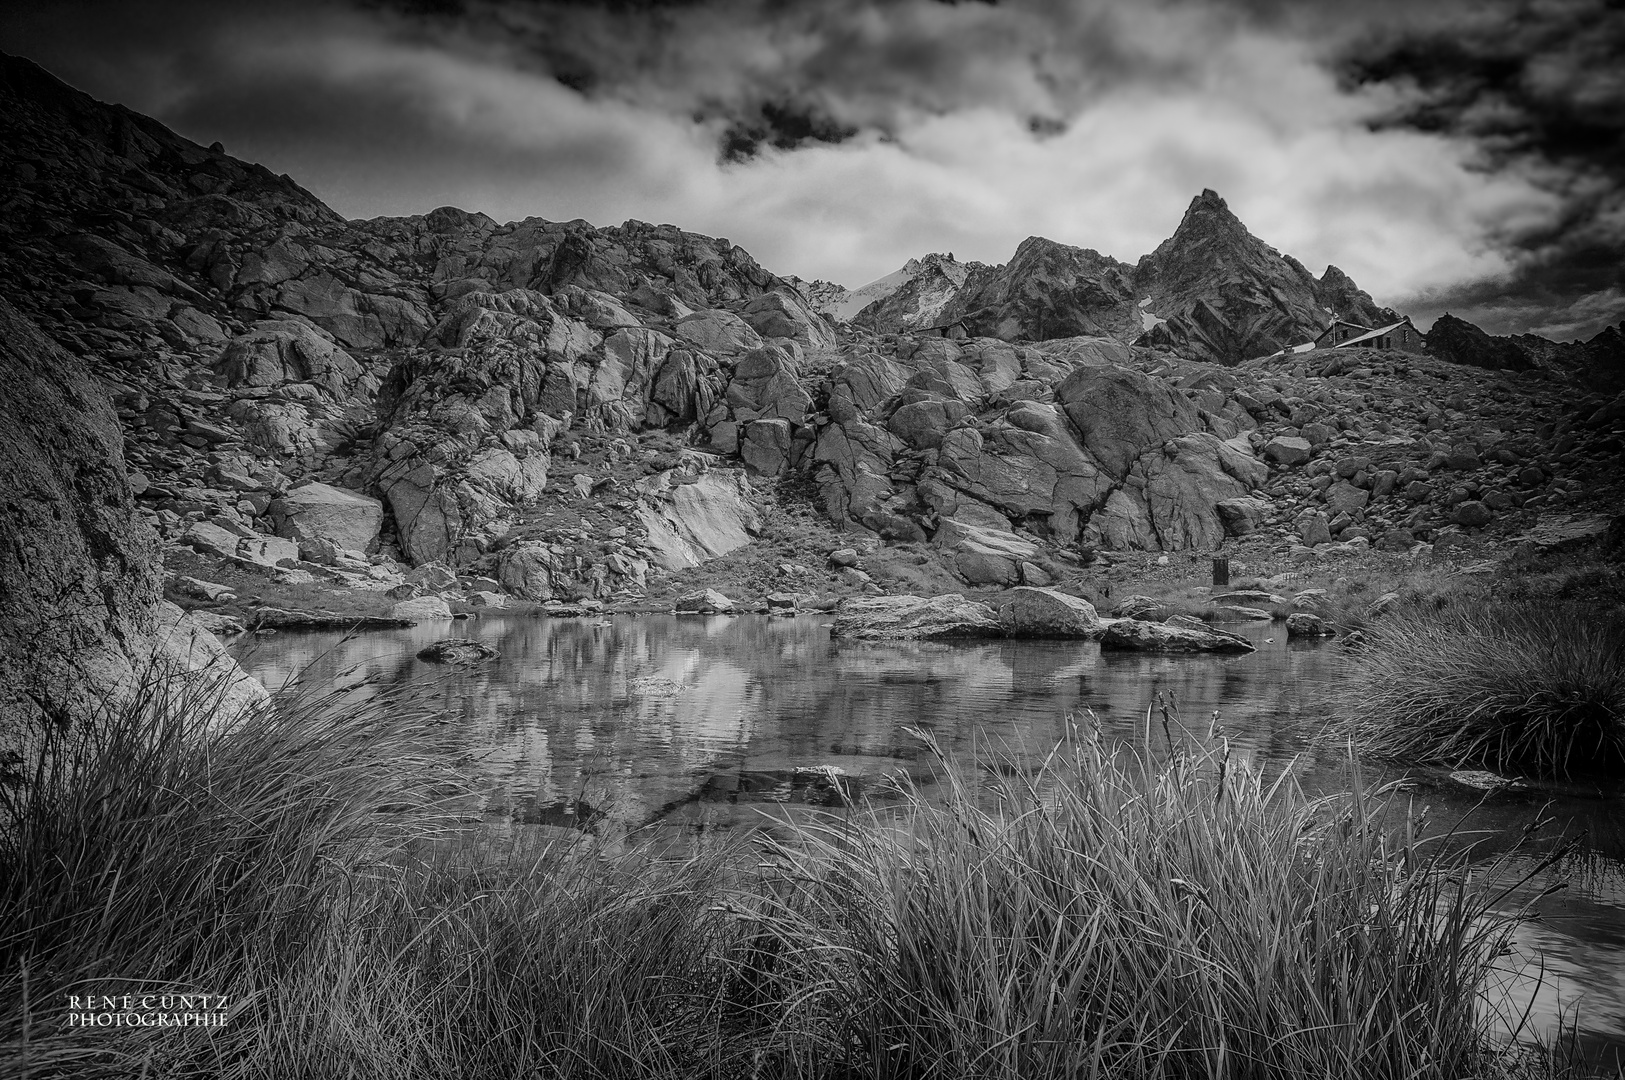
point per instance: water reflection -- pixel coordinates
(697, 723)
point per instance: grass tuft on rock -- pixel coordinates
(1532, 688)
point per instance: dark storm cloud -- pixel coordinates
(784, 127)
(1539, 89)
(788, 74)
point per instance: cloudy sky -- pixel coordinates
(1448, 155)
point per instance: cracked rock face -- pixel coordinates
(1091, 452)
(81, 617)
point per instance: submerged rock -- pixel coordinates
(915, 617)
(1480, 780)
(1031, 612)
(458, 651)
(1137, 634)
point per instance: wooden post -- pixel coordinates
(1221, 571)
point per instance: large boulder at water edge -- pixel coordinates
(81, 619)
(915, 617)
(1046, 613)
(1142, 636)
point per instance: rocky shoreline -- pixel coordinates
(275, 418)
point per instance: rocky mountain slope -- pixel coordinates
(81, 619)
(444, 408)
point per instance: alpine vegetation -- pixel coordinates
(1094, 913)
(1534, 688)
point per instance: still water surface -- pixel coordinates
(689, 724)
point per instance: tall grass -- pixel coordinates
(1534, 688)
(555, 960)
(1092, 914)
(1109, 919)
(171, 845)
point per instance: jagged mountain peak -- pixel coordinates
(1207, 207)
(1341, 298)
(1209, 239)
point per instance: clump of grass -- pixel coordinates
(175, 844)
(1532, 688)
(558, 958)
(1112, 919)
(301, 860)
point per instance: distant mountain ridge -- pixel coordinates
(1212, 291)
(911, 298)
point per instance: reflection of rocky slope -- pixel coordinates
(558, 411)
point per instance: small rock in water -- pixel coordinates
(1482, 780)
(457, 651)
(1303, 624)
(654, 686)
